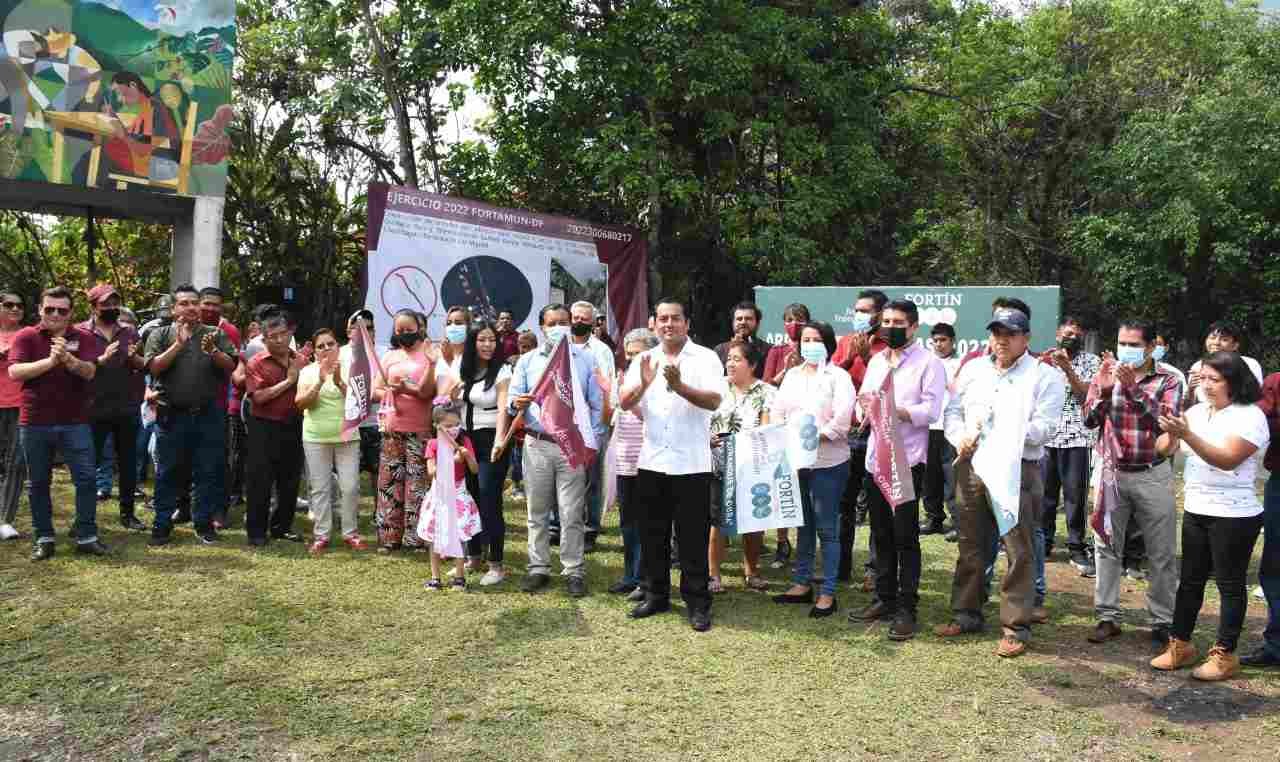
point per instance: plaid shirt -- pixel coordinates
(1071, 429)
(1130, 418)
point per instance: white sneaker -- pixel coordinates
(492, 577)
(7, 532)
(1257, 591)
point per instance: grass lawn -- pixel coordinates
(225, 653)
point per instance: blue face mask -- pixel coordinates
(814, 352)
(861, 322)
(1134, 357)
(1159, 352)
(555, 333)
(455, 334)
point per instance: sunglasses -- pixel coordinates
(57, 310)
(11, 305)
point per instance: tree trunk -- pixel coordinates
(404, 128)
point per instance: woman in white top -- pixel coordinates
(483, 393)
(449, 370)
(824, 391)
(1223, 439)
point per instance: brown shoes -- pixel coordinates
(1220, 665)
(872, 613)
(1010, 647)
(954, 630)
(869, 584)
(1179, 654)
(1039, 615)
(1104, 631)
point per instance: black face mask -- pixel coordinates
(109, 316)
(1070, 343)
(405, 340)
(896, 337)
(580, 329)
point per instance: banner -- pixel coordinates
(359, 379)
(890, 470)
(761, 486)
(965, 308)
(447, 542)
(564, 413)
(428, 252)
(998, 459)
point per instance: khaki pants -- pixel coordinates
(1147, 497)
(977, 529)
(549, 481)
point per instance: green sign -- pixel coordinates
(965, 308)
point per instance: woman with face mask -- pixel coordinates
(449, 370)
(781, 358)
(405, 388)
(824, 391)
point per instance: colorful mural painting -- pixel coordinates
(121, 94)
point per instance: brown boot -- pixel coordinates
(1221, 664)
(1178, 654)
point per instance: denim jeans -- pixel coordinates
(488, 496)
(595, 478)
(190, 443)
(1269, 569)
(76, 443)
(146, 433)
(105, 471)
(820, 492)
(632, 537)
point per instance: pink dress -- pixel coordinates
(465, 507)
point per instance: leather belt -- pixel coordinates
(1134, 468)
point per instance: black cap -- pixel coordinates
(1013, 320)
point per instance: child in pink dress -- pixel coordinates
(448, 422)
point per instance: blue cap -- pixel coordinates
(1009, 319)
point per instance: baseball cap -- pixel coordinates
(1012, 320)
(102, 292)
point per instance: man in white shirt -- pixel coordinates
(674, 387)
(582, 316)
(1008, 382)
(939, 481)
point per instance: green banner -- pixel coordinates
(966, 308)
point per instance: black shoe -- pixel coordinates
(636, 595)
(138, 494)
(532, 583)
(291, 536)
(817, 613)
(649, 607)
(589, 542)
(71, 532)
(207, 536)
(951, 536)
(576, 587)
(95, 548)
(875, 611)
(129, 521)
(182, 515)
(258, 542)
(904, 626)
(700, 620)
(1260, 658)
(621, 588)
(782, 555)
(158, 538)
(555, 538)
(805, 597)
(42, 551)
(932, 527)
(1160, 637)
(1105, 631)
(104, 495)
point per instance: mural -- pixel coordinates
(121, 94)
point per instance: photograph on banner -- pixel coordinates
(967, 309)
(430, 253)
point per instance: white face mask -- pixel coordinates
(556, 333)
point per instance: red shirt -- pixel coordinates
(10, 390)
(459, 469)
(1270, 404)
(228, 395)
(510, 342)
(262, 372)
(776, 360)
(854, 363)
(57, 397)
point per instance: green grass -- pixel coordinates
(229, 654)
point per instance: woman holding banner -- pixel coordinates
(824, 391)
(745, 407)
(483, 394)
(322, 391)
(405, 388)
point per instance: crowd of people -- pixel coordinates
(228, 419)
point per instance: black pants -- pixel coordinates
(274, 462)
(897, 536)
(849, 510)
(1066, 470)
(124, 433)
(686, 501)
(236, 444)
(486, 488)
(1223, 546)
(939, 482)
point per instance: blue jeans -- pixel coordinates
(190, 443)
(1037, 562)
(821, 490)
(145, 433)
(629, 519)
(1269, 569)
(595, 478)
(76, 443)
(105, 470)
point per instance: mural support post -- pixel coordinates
(197, 244)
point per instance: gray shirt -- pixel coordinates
(193, 379)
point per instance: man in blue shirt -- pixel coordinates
(549, 480)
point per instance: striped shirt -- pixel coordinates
(628, 436)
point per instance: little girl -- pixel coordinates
(447, 417)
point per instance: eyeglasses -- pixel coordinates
(57, 311)
(11, 305)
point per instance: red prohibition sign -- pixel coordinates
(408, 287)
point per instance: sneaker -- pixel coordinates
(7, 532)
(459, 584)
(1136, 574)
(1178, 654)
(781, 556)
(355, 542)
(104, 494)
(1083, 564)
(492, 577)
(1221, 664)
(1260, 657)
(320, 545)
(207, 535)
(952, 536)
(432, 585)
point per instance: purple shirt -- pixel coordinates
(919, 387)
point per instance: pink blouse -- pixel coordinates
(828, 395)
(407, 413)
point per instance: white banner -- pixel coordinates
(761, 486)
